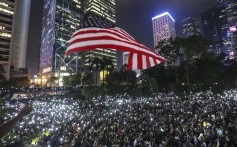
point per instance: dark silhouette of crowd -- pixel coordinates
(196, 119)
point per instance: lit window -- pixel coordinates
(3, 4)
(2, 28)
(6, 11)
(5, 35)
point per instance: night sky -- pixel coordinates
(134, 16)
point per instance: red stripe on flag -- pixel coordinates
(148, 62)
(113, 38)
(155, 61)
(109, 46)
(103, 38)
(139, 61)
(130, 61)
(114, 32)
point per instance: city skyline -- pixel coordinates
(135, 18)
(139, 15)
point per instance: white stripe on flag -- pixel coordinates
(151, 61)
(134, 61)
(158, 61)
(108, 42)
(144, 64)
(88, 35)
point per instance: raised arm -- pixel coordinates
(8, 126)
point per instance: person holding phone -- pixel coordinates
(8, 126)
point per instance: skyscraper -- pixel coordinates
(190, 26)
(14, 21)
(163, 28)
(215, 26)
(231, 11)
(105, 9)
(6, 28)
(61, 18)
(231, 14)
(20, 34)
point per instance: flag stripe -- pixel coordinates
(115, 31)
(113, 43)
(100, 36)
(157, 61)
(148, 62)
(130, 61)
(151, 61)
(139, 61)
(144, 63)
(134, 62)
(113, 38)
(97, 31)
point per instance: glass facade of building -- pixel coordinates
(231, 41)
(220, 24)
(214, 26)
(6, 29)
(105, 9)
(61, 18)
(190, 26)
(163, 28)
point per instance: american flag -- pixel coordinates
(96, 32)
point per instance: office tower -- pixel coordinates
(14, 21)
(190, 26)
(61, 18)
(215, 26)
(20, 37)
(106, 10)
(34, 37)
(231, 14)
(6, 28)
(163, 28)
(103, 8)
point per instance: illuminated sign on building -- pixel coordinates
(163, 14)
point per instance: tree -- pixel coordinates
(208, 71)
(148, 86)
(171, 51)
(53, 81)
(229, 74)
(76, 79)
(121, 82)
(193, 47)
(87, 79)
(96, 62)
(72, 80)
(20, 82)
(106, 64)
(67, 81)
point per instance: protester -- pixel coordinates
(197, 119)
(8, 126)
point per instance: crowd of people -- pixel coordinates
(196, 119)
